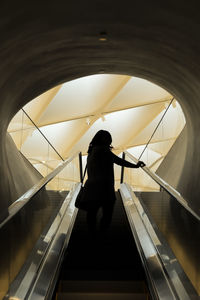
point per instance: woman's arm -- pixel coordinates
(122, 162)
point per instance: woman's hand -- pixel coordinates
(141, 164)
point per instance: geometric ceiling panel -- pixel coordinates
(170, 127)
(160, 147)
(36, 147)
(36, 107)
(69, 115)
(82, 97)
(16, 122)
(138, 92)
(123, 125)
(148, 157)
(59, 135)
(19, 122)
(64, 135)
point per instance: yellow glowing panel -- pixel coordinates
(122, 125)
(138, 92)
(82, 97)
(169, 128)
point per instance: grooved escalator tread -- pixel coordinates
(101, 296)
(110, 257)
(102, 286)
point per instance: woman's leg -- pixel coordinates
(92, 219)
(106, 219)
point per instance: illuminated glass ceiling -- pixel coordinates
(70, 114)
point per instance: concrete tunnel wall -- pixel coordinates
(43, 44)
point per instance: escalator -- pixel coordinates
(104, 266)
(47, 252)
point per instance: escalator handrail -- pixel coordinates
(16, 206)
(167, 187)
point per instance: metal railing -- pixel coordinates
(167, 187)
(15, 207)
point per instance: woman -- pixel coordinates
(100, 183)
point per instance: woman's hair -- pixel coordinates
(101, 138)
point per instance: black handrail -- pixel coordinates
(167, 187)
(81, 167)
(122, 169)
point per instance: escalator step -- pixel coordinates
(101, 296)
(101, 286)
(116, 253)
(104, 266)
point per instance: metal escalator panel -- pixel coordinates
(177, 224)
(181, 231)
(19, 236)
(159, 283)
(27, 234)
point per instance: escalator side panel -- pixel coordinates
(180, 229)
(158, 278)
(19, 235)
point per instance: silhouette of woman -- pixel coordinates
(100, 182)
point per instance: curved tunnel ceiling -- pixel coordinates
(44, 44)
(47, 43)
(70, 114)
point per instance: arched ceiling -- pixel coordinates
(47, 43)
(70, 114)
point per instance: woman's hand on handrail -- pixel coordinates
(141, 164)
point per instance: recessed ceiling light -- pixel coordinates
(103, 36)
(102, 39)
